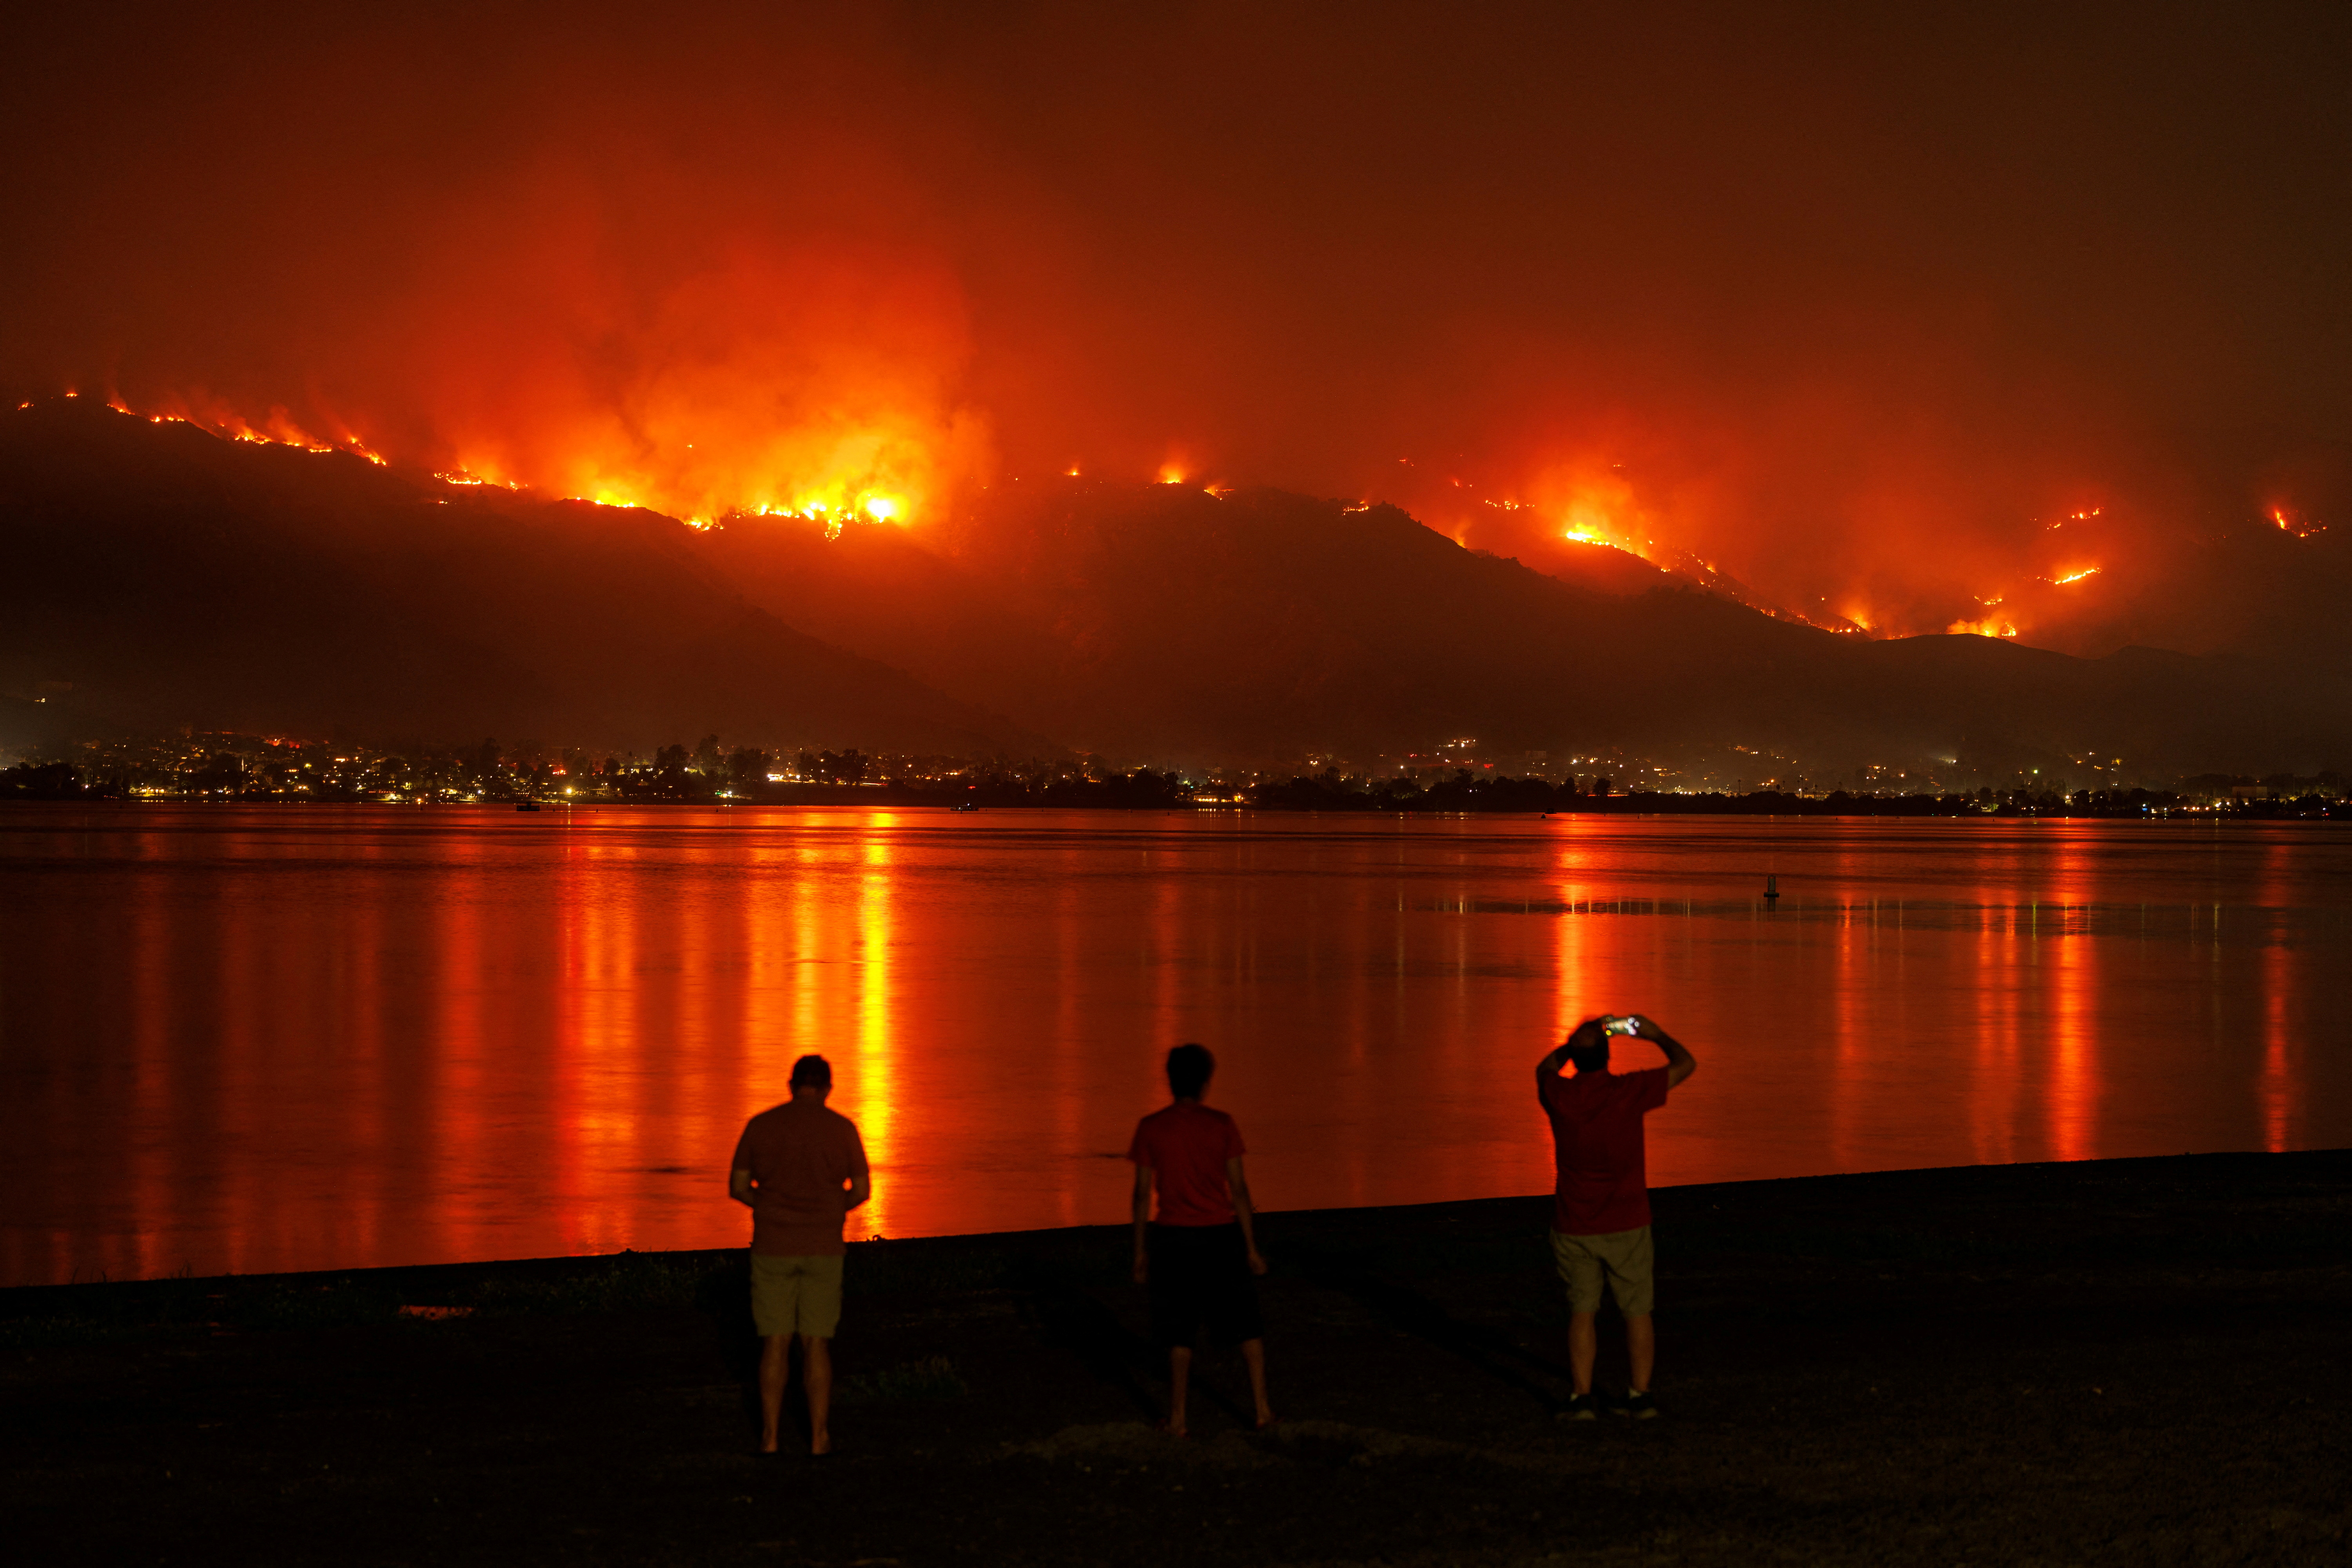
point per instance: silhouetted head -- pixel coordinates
(1588, 1045)
(1189, 1067)
(812, 1076)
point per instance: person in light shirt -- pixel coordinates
(1197, 1252)
(1601, 1203)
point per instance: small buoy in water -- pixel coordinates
(1771, 886)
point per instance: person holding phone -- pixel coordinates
(1601, 1203)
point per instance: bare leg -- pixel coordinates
(1180, 1377)
(775, 1370)
(1253, 1356)
(1641, 1350)
(817, 1371)
(1583, 1347)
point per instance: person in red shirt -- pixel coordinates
(1600, 1207)
(801, 1168)
(1196, 1257)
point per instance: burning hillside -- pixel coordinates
(1581, 291)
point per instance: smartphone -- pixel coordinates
(1618, 1026)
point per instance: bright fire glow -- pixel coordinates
(1170, 474)
(2075, 576)
(1587, 500)
(1990, 627)
(772, 378)
(829, 503)
(277, 428)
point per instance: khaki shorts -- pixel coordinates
(795, 1296)
(1624, 1256)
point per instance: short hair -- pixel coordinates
(1188, 1067)
(813, 1071)
(1588, 1045)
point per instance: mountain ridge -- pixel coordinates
(165, 577)
(174, 578)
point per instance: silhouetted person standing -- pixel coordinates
(801, 1169)
(1197, 1255)
(1601, 1207)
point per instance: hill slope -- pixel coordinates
(158, 576)
(169, 578)
(1160, 619)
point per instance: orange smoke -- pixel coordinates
(782, 259)
(803, 383)
(776, 381)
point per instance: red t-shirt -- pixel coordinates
(801, 1156)
(1596, 1139)
(1187, 1146)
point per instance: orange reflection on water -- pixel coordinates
(877, 1091)
(2072, 1097)
(2277, 1088)
(276, 1039)
(1996, 1094)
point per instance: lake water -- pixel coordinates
(285, 1039)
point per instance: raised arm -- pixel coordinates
(1142, 1222)
(1237, 1186)
(1680, 1063)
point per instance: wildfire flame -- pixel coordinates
(2075, 576)
(277, 428)
(1990, 627)
(833, 504)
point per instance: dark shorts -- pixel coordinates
(1200, 1274)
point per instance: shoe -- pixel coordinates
(1579, 1409)
(1640, 1406)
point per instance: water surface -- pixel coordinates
(274, 1038)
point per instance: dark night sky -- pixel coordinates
(1850, 301)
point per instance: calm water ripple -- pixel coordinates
(258, 1039)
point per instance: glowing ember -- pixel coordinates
(2075, 576)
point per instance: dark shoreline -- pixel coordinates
(2128, 1360)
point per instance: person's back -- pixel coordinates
(1197, 1253)
(801, 1168)
(1599, 1154)
(1187, 1144)
(1601, 1197)
(801, 1154)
